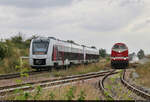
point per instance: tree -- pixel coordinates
(131, 55)
(93, 47)
(18, 38)
(3, 50)
(140, 54)
(102, 52)
(71, 41)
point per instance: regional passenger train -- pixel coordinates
(119, 56)
(52, 52)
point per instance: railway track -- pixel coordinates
(102, 87)
(133, 88)
(52, 82)
(15, 75)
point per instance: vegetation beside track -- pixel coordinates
(11, 50)
(79, 91)
(82, 69)
(143, 71)
(117, 90)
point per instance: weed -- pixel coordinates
(112, 79)
(38, 92)
(106, 93)
(82, 95)
(52, 96)
(109, 87)
(19, 81)
(97, 98)
(27, 95)
(22, 95)
(70, 93)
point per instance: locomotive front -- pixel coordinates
(39, 53)
(119, 56)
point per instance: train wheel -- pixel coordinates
(65, 67)
(112, 65)
(56, 66)
(49, 69)
(71, 64)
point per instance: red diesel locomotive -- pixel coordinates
(119, 56)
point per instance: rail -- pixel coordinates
(51, 82)
(102, 87)
(134, 89)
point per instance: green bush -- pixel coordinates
(70, 93)
(10, 52)
(3, 50)
(82, 95)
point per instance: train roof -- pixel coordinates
(48, 38)
(41, 38)
(120, 43)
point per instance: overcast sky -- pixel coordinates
(99, 23)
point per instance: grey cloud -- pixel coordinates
(89, 22)
(35, 3)
(148, 21)
(124, 3)
(141, 25)
(120, 18)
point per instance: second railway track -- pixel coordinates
(134, 88)
(138, 91)
(15, 75)
(102, 87)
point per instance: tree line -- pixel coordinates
(18, 42)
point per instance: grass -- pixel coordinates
(144, 74)
(82, 69)
(78, 91)
(15, 47)
(115, 87)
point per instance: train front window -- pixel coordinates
(40, 48)
(122, 47)
(119, 47)
(116, 47)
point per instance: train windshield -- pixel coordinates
(123, 47)
(119, 47)
(40, 47)
(116, 47)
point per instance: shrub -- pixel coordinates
(52, 96)
(82, 95)
(70, 93)
(3, 50)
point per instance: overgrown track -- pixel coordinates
(51, 82)
(102, 87)
(134, 89)
(15, 75)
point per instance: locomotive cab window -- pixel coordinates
(40, 47)
(119, 47)
(123, 47)
(116, 47)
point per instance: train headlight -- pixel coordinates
(125, 58)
